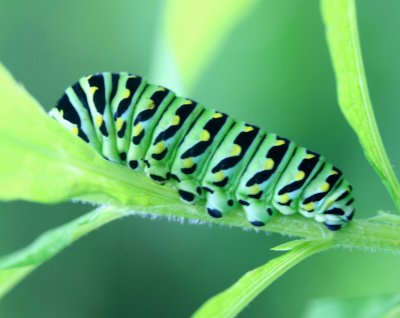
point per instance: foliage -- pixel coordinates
(194, 46)
(385, 306)
(354, 100)
(232, 301)
(38, 156)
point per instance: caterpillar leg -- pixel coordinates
(218, 202)
(257, 212)
(188, 190)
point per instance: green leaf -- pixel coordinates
(288, 246)
(14, 267)
(9, 278)
(42, 162)
(384, 306)
(233, 300)
(195, 30)
(344, 45)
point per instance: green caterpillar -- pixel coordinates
(203, 153)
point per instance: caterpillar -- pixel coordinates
(203, 153)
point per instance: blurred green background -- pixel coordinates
(273, 70)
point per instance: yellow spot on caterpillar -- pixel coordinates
(151, 104)
(127, 93)
(187, 102)
(280, 142)
(188, 163)
(93, 89)
(217, 115)
(248, 129)
(300, 175)
(329, 202)
(176, 120)
(236, 150)
(119, 123)
(137, 130)
(205, 135)
(62, 113)
(325, 187)
(99, 120)
(284, 198)
(75, 130)
(159, 147)
(161, 89)
(309, 156)
(333, 172)
(131, 76)
(269, 164)
(254, 189)
(309, 206)
(219, 176)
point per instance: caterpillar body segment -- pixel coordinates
(95, 91)
(125, 92)
(168, 133)
(227, 165)
(193, 155)
(256, 189)
(75, 115)
(146, 115)
(204, 154)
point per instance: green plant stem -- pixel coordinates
(380, 234)
(365, 234)
(344, 45)
(360, 234)
(233, 300)
(17, 265)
